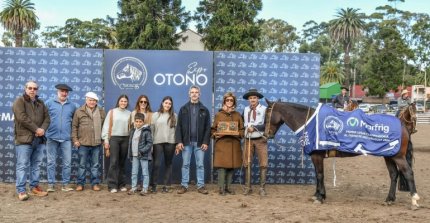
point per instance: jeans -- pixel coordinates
(84, 153)
(28, 158)
(186, 157)
(118, 155)
(65, 147)
(167, 150)
(136, 162)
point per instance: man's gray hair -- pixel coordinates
(30, 81)
(195, 87)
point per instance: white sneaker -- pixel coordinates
(66, 188)
(113, 190)
(123, 189)
(51, 188)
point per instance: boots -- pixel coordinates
(221, 181)
(228, 187)
(248, 189)
(263, 173)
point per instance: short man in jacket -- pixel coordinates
(31, 121)
(253, 117)
(193, 134)
(87, 137)
(61, 112)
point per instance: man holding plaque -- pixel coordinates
(227, 131)
(253, 116)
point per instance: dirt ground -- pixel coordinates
(361, 187)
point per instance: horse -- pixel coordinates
(351, 105)
(296, 115)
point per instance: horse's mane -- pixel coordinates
(298, 106)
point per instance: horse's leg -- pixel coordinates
(408, 173)
(392, 170)
(318, 161)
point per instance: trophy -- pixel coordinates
(228, 128)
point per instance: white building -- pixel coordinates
(192, 41)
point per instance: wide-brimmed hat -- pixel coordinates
(252, 92)
(344, 88)
(92, 95)
(63, 87)
(404, 92)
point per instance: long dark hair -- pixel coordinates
(171, 112)
(148, 105)
(121, 97)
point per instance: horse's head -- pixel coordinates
(352, 105)
(272, 120)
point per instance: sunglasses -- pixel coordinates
(32, 88)
(144, 102)
(229, 100)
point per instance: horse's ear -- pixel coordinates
(268, 102)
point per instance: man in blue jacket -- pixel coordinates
(193, 135)
(61, 111)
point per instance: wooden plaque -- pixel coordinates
(228, 128)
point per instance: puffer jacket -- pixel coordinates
(83, 126)
(145, 143)
(61, 119)
(29, 117)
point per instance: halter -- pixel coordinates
(267, 126)
(402, 115)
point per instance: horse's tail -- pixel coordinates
(403, 183)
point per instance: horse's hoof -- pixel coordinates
(389, 203)
(415, 207)
(314, 198)
(317, 201)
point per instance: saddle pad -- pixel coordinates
(352, 132)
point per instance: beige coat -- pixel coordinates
(83, 126)
(228, 152)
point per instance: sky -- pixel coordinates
(295, 12)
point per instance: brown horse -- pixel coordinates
(296, 115)
(352, 105)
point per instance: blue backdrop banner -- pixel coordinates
(157, 74)
(79, 68)
(289, 77)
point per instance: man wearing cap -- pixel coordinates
(86, 137)
(61, 112)
(253, 117)
(341, 100)
(30, 122)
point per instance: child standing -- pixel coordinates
(139, 149)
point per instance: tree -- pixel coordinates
(421, 44)
(331, 72)
(228, 24)
(324, 46)
(277, 36)
(81, 34)
(151, 24)
(345, 30)
(19, 17)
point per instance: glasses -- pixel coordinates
(144, 102)
(229, 100)
(32, 88)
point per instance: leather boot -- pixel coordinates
(248, 189)
(228, 187)
(263, 174)
(221, 181)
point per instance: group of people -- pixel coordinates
(140, 135)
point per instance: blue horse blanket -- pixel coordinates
(352, 132)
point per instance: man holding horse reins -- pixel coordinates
(341, 100)
(253, 116)
(403, 102)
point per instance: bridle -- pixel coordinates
(268, 119)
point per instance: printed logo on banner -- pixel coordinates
(129, 73)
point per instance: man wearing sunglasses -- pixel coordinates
(31, 120)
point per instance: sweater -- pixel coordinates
(161, 131)
(120, 125)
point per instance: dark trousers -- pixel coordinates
(118, 155)
(168, 150)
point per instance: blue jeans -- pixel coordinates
(200, 169)
(65, 147)
(92, 152)
(28, 158)
(136, 162)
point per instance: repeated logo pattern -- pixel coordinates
(288, 77)
(79, 68)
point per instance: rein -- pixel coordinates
(267, 127)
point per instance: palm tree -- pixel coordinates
(18, 17)
(331, 72)
(345, 30)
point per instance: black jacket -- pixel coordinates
(203, 125)
(144, 146)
